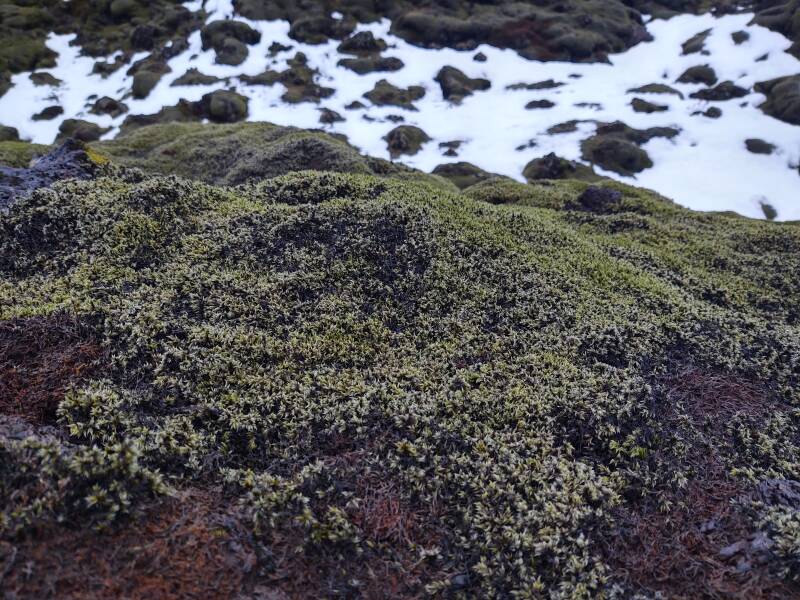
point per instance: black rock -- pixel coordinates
(758, 146)
(68, 161)
(536, 104)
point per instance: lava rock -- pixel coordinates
(456, 85)
(405, 139)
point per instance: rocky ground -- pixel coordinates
(402, 80)
(255, 380)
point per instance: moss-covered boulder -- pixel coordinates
(553, 166)
(783, 98)
(332, 377)
(655, 88)
(782, 16)
(195, 77)
(699, 74)
(386, 94)
(372, 64)
(229, 39)
(456, 85)
(108, 106)
(8, 134)
(362, 43)
(696, 44)
(79, 129)
(641, 105)
(616, 147)
(405, 139)
(463, 174)
(237, 153)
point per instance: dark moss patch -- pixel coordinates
(388, 377)
(40, 358)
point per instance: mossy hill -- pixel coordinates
(365, 384)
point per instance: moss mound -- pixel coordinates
(401, 390)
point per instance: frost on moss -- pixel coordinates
(313, 339)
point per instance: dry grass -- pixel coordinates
(40, 357)
(677, 552)
(190, 546)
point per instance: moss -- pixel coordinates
(20, 154)
(503, 366)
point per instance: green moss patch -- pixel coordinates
(389, 376)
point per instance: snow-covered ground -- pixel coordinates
(706, 167)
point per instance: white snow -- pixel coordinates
(706, 167)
